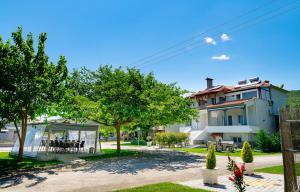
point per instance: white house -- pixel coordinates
(234, 113)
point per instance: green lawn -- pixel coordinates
(111, 153)
(277, 169)
(236, 153)
(8, 162)
(163, 187)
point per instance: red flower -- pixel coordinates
(237, 173)
(243, 168)
(231, 179)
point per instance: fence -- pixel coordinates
(290, 142)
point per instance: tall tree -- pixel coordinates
(29, 82)
(130, 97)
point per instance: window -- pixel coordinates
(240, 119)
(237, 139)
(249, 95)
(222, 99)
(213, 101)
(238, 96)
(230, 120)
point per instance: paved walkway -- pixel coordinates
(111, 174)
(261, 182)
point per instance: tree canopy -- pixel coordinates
(121, 97)
(29, 82)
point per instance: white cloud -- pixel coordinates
(222, 57)
(225, 37)
(210, 40)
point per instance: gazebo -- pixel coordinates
(48, 138)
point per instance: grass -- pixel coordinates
(237, 153)
(8, 162)
(277, 169)
(111, 153)
(163, 187)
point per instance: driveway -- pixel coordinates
(111, 174)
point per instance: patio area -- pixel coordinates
(60, 139)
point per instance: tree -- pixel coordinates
(246, 153)
(211, 157)
(130, 98)
(28, 81)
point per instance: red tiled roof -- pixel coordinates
(228, 103)
(228, 89)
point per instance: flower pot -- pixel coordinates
(149, 143)
(249, 168)
(210, 176)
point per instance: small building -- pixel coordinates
(235, 113)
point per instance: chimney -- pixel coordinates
(209, 82)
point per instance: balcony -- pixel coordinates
(232, 129)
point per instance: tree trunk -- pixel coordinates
(118, 131)
(23, 137)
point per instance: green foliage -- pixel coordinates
(163, 187)
(29, 82)
(211, 157)
(112, 153)
(246, 153)
(268, 142)
(294, 99)
(125, 99)
(277, 169)
(138, 142)
(106, 131)
(8, 163)
(171, 139)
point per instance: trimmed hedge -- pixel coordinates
(171, 139)
(211, 157)
(246, 153)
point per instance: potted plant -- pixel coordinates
(209, 172)
(247, 157)
(149, 141)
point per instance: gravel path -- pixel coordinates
(111, 174)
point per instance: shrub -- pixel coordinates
(171, 139)
(211, 157)
(138, 142)
(246, 153)
(268, 142)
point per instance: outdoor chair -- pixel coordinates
(77, 145)
(82, 145)
(56, 144)
(43, 145)
(61, 146)
(51, 145)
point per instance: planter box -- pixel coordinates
(249, 168)
(149, 143)
(210, 176)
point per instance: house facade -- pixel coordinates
(234, 113)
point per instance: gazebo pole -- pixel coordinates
(79, 134)
(48, 141)
(100, 140)
(96, 141)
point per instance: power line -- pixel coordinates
(202, 33)
(234, 28)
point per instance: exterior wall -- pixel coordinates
(279, 100)
(173, 128)
(201, 122)
(263, 114)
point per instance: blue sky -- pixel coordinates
(120, 32)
